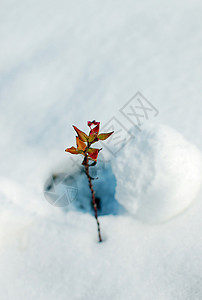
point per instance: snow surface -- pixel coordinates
(158, 174)
(67, 62)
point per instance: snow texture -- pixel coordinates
(63, 63)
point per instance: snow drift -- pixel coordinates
(158, 174)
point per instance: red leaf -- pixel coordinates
(82, 135)
(93, 123)
(95, 130)
(80, 144)
(104, 136)
(93, 153)
(72, 150)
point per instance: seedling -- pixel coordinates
(84, 142)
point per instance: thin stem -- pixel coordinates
(93, 196)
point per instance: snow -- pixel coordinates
(158, 174)
(64, 63)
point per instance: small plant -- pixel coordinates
(84, 142)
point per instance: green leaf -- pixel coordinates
(104, 136)
(91, 138)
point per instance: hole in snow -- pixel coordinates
(73, 193)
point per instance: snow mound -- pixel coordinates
(158, 174)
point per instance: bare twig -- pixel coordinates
(85, 163)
